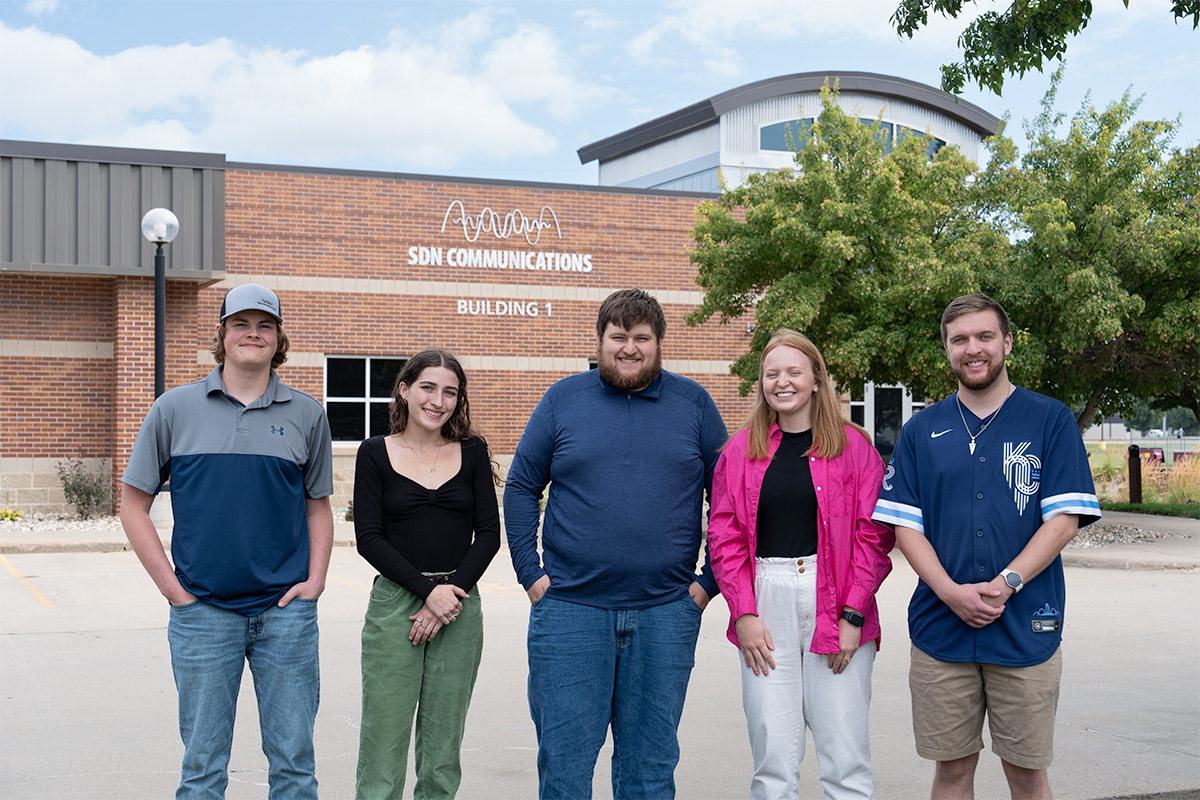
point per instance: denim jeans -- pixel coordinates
(433, 680)
(209, 649)
(590, 668)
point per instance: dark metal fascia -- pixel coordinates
(665, 127)
(111, 155)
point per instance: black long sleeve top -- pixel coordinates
(404, 529)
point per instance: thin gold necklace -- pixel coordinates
(435, 455)
(990, 420)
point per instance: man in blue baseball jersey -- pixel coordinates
(984, 489)
(251, 470)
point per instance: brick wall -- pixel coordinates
(320, 229)
(56, 393)
(336, 248)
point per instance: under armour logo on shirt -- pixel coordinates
(277, 429)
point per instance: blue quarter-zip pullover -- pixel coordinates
(628, 472)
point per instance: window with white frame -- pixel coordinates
(858, 405)
(358, 390)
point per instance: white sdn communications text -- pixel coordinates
(499, 259)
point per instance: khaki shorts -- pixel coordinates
(949, 701)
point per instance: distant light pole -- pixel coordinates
(161, 227)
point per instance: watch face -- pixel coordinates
(1013, 580)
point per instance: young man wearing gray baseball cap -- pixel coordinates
(250, 464)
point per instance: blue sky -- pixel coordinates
(504, 90)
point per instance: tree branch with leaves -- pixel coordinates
(1024, 37)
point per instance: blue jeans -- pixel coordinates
(590, 668)
(209, 648)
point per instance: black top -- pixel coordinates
(787, 505)
(404, 529)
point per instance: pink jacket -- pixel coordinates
(852, 551)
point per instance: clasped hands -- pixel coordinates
(978, 604)
(442, 606)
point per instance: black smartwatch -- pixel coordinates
(854, 618)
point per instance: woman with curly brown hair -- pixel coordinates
(426, 517)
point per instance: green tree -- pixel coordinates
(1143, 418)
(1104, 285)
(1021, 38)
(858, 248)
(1091, 241)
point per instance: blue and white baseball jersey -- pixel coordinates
(980, 509)
(239, 478)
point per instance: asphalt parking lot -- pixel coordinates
(88, 702)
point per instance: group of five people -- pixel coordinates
(803, 516)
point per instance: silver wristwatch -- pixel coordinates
(1013, 579)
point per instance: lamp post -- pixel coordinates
(160, 227)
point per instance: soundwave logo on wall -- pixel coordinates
(515, 224)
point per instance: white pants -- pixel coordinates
(802, 690)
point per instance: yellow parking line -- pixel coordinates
(343, 583)
(33, 590)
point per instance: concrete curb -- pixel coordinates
(1098, 558)
(63, 547)
(26, 548)
(1181, 552)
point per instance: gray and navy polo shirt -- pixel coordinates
(239, 478)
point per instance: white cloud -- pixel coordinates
(641, 47)
(596, 20)
(75, 89)
(786, 19)
(416, 103)
(712, 27)
(37, 8)
(716, 29)
(528, 67)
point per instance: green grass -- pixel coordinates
(1117, 453)
(1164, 509)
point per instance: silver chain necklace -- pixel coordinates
(990, 420)
(438, 453)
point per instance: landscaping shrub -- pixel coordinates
(87, 491)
